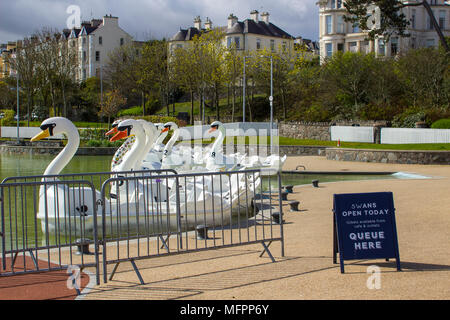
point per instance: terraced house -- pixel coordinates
(252, 34)
(94, 41)
(338, 35)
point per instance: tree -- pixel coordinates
(345, 79)
(385, 17)
(24, 62)
(111, 104)
(183, 74)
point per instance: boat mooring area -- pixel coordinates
(301, 246)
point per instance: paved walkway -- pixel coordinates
(37, 286)
(307, 271)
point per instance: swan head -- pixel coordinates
(216, 125)
(54, 126)
(113, 128)
(169, 126)
(126, 129)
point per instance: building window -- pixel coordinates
(394, 46)
(121, 41)
(339, 4)
(333, 4)
(328, 24)
(352, 46)
(355, 28)
(381, 47)
(258, 44)
(237, 42)
(413, 43)
(442, 19)
(413, 18)
(284, 46)
(340, 24)
(430, 43)
(100, 40)
(329, 49)
(84, 40)
(272, 45)
(84, 73)
(84, 56)
(340, 47)
(97, 55)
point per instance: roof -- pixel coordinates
(260, 27)
(185, 34)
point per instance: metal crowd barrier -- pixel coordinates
(203, 211)
(53, 221)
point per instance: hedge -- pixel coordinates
(441, 124)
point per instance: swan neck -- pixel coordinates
(132, 156)
(219, 141)
(173, 139)
(64, 157)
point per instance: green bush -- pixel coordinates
(441, 124)
(93, 134)
(408, 118)
(8, 118)
(134, 111)
(155, 119)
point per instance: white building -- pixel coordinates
(94, 41)
(251, 34)
(338, 35)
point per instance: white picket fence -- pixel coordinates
(414, 135)
(352, 134)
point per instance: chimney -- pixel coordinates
(198, 23)
(254, 15)
(110, 20)
(208, 24)
(265, 17)
(96, 22)
(232, 19)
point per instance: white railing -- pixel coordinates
(352, 134)
(414, 135)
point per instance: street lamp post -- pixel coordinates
(18, 135)
(243, 95)
(271, 101)
(271, 104)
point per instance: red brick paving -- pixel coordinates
(51, 285)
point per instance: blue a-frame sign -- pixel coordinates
(364, 227)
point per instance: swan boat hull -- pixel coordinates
(141, 215)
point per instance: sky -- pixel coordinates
(154, 19)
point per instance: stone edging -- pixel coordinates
(389, 156)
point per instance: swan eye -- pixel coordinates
(48, 126)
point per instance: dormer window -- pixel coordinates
(100, 40)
